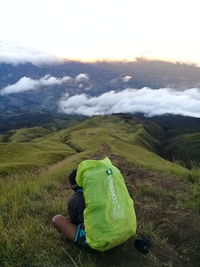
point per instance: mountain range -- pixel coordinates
(27, 87)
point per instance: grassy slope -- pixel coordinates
(28, 201)
(27, 150)
(1, 137)
(185, 147)
(127, 139)
(27, 134)
(21, 156)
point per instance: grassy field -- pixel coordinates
(30, 149)
(185, 148)
(166, 196)
(17, 157)
(27, 134)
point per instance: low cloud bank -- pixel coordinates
(149, 101)
(26, 84)
(14, 53)
(82, 77)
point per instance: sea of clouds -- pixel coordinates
(27, 84)
(149, 101)
(146, 100)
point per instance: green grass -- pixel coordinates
(1, 138)
(27, 134)
(29, 198)
(128, 139)
(27, 207)
(15, 157)
(193, 199)
(185, 148)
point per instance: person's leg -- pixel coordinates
(65, 226)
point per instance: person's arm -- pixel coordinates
(80, 209)
(76, 206)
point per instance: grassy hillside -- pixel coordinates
(127, 138)
(27, 134)
(16, 157)
(1, 138)
(166, 197)
(24, 148)
(185, 148)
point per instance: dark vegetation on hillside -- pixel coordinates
(51, 121)
(166, 195)
(178, 136)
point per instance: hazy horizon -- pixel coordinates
(14, 53)
(101, 30)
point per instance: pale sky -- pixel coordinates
(104, 29)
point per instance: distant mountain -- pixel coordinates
(50, 121)
(157, 74)
(102, 77)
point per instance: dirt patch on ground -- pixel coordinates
(104, 151)
(82, 133)
(92, 134)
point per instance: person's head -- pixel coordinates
(72, 180)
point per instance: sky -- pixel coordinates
(42, 30)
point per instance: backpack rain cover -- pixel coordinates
(109, 216)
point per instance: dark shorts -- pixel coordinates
(80, 237)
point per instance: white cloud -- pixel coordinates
(13, 53)
(149, 101)
(82, 77)
(126, 78)
(26, 84)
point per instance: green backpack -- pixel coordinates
(109, 216)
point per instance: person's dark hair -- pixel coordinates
(72, 180)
